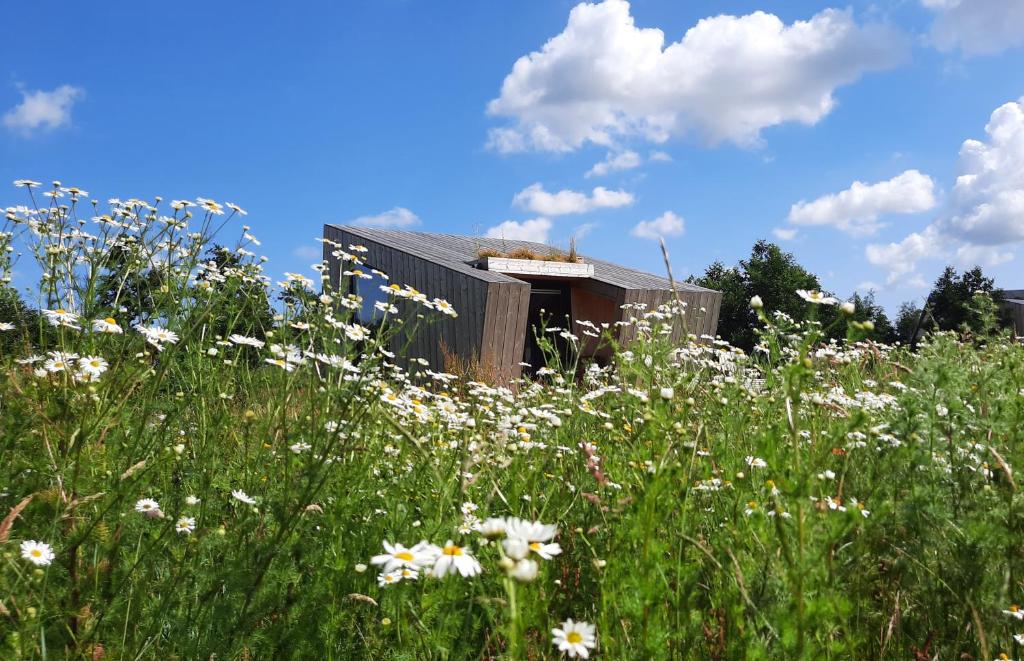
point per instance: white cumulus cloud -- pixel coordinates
(396, 217)
(976, 27)
(538, 200)
(784, 233)
(535, 229)
(615, 162)
(665, 225)
(43, 110)
(726, 79)
(988, 198)
(984, 215)
(856, 210)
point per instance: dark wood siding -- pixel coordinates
(462, 288)
(493, 307)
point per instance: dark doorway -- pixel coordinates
(550, 306)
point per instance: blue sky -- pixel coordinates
(416, 114)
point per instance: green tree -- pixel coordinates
(866, 309)
(128, 285)
(770, 273)
(239, 301)
(24, 319)
(950, 301)
(906, 321)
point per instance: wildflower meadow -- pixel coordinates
(199, 462)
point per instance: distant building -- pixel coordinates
(501, 300)
(1013, 299)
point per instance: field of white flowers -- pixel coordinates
(187, 474)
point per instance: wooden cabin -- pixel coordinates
(500, 301)
(1013, 300)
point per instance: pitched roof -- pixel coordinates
(457, 251)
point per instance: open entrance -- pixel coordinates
(550, 306)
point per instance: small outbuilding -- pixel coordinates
(502, 290)
(1013, 299)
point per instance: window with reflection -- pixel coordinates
(369, 289)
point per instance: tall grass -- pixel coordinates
(810, 500)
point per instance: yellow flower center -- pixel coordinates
(404, 555)
(36, 553)
(452, 550)
(574, 638)
(535, 546)
(110, 320)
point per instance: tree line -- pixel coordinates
(775, 276)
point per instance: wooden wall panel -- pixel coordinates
(493, 307)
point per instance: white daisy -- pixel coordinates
(455, 559)
(61, 317)
(149, 507)
(816, 297)
(38, 553)
(575, 638)
(108, 325)
(397, 556)
(756, 462)
(185, 525)
(93, 366)
(240, 495)
(248, 341)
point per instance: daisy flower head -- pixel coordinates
(756, 462)
(61, 317)
(816, 297)
(397, 556)
(241, 496)
(237, 209)
(537, 536)
(245, 340)
(38, 553)
(516, 548)
(1015, 611)
(210, 206)
(455, 559)
(92, 365)
(26, 183)
(389, 578)
(186, 525)
(493, 528)
(531, 531)
(108, 325)
(59, 361)
(525, 571)
(158, 336)
(575, 638)
(149, 507)
(6, 326)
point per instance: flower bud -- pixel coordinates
(756, 302)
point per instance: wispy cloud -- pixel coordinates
(42, 111)
(665, 225)
(538, 200)
(535, 229)
(309, 252)
(396, 217)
